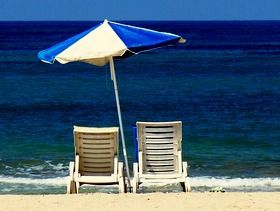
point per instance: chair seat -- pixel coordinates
(97, 179)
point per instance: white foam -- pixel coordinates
(234, 182)
(59, 166)
(61, 181)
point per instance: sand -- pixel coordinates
(144, 202)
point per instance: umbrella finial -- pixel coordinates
(182, 40)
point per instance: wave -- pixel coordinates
(196, 182)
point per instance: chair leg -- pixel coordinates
(77, 186)
(186, 185)
(183, 185)
(134, 186)
(69, 183)
(71, 188)
(122, 185)
(135, 182)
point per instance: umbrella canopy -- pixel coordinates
(105, 43)
(108, 39)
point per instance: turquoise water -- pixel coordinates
(224, 84)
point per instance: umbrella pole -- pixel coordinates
(113, 77)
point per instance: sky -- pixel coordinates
(92, 10)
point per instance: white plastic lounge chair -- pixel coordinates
(96, 158)
(160, 155)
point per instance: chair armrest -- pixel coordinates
(76, 172)
(185, 169)
(71, 170)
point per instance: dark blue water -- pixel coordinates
(224, 84)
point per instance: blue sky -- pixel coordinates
(26, 10)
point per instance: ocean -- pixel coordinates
(223, 84)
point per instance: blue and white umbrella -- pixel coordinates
(105, 43)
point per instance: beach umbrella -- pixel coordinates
(105, 43)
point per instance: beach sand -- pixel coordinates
(146, 201)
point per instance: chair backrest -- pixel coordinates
(159, 145)
(97, 149)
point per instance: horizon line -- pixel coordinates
(136, 20)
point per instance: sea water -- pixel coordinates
(223, 84)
